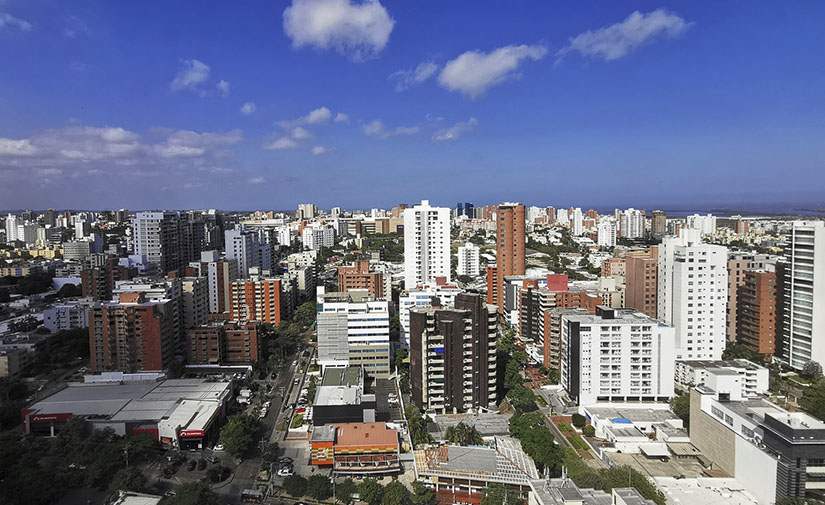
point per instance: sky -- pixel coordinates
(267, 104)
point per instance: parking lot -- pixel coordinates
(385, 412)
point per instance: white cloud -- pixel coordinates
(281, 144)
(409, 78)
(74, 27)
(317, 116)
(256, 180)
(378, 129)
(473, 72)
(618, 40)
(191, 74)
(300, 133)
(359, 30)
(341, 118)
(9, 21)
(104, 148)
(248, 108)
(223, 87)
(455, 132)
(318, 150)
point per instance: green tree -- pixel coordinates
(371, 491)
(305, 314)
(193, 493)
(680, 405)
(395, 328)
(463, 434)
(236, 434)
(813, 401)
(589, 430)
(422, 494)
(395, 493)
(579, 420)
(537, 440)
(345, 491)
(271, 453)
(554, 376)
(811, 370)
(418, 426)
(319, 487)
(295, 485)
(69, 290)
(128, 479)
(521, 398)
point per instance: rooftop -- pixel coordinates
(504, 463)
(704, 490)
(635, 415)
(348, 376)
(365, 434)
(324, 433)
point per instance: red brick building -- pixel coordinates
(256, 300)
(360, 276)
(756, 314)
(224, 342)
(641, 282)
(510, 246)
(98, 282)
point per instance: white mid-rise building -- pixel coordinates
(705, 224)
(606, 232)
(11, 228)
(752, 379)
(426, 244)
(242, 246)
(616, 356)
(692, 294)
(468, 255)
(803, 276)
(353, 330)
(632, 224)
(146, 235)
(316, 237)
(576, 222)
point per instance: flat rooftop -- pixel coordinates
(364, 435)
(704, 490)
(347, 376)
(505, 463)
(486, 423)
(635, 415)
(721, 363)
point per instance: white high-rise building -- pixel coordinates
(11, 228)
(307, 210)
(242, 246)
(422, 298)
(705, 224)
(426, 244)
(606, 232)
(576, 222)
(468, 255)
(27, 232)
(316, 237)
(562, 218)
(353, 330)
(534, 212)
(632, 223)
(146, 235)
(616, 356)
(803, 275)
(693, 293)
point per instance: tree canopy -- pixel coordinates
(463, 434)
(237, 433)
(371, 491)
(193, 493)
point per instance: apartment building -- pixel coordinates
(224, 342)
(510, 248)
(259, 299)
(360, 275)
(426, 244)
(738, 264)
(642, 281)
(353, 330)
(468, 260)
(453, 356)
(616, 356)
(756, 312)
(423, 297)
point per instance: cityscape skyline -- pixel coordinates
(664, 103)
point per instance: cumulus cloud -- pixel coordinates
(256, 180)
(281, 144)
(409, 78)
(318, 116)
(474, 72)
(455, 131)
(190, 75)
(300, 133)
(91, 148)
(358, 30)
(248, 108)
(318, 150)
(223, 87)
(9, 21)
(341, 118)
(378, 129)
(620, 39)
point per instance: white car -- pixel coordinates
(285, 472)
(218, 448)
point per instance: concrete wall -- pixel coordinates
(711, 437)
(756, 470)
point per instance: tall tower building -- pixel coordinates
(803, 295)
(510, 257)
(692, 294)
(166, 239)
(242, 246)
(426, 244)
(658, 223)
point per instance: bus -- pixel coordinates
(252, 496)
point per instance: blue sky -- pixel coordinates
(141, 104)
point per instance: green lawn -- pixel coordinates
(577, 442)
(564, 427)
(297, 420)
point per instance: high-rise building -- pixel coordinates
(658, 223)
(576, 222)
(616, 356)
(632, 223)
(11, 228)
(468, 260)
(360, 276)
(194, 301)
(510, 246)
(258, 300)
(606, 232)
(453, 356)
(705, 224)
(224, 342)
(99, 280)
(167, 239)
(738, 264)
(803, 295)
(307, 211)
(641, 282)
(132, 334)
(49, 218)
(242, 246)
(426, 244)
(426, 296)
(353, 330)
(756, 312)
(692, 294)
(220, 275)
(316, 237)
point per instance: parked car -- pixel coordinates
(191, 465)
(218, 448)
(201, 464)
(213, 459)
(285, 472)
(285, 459)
